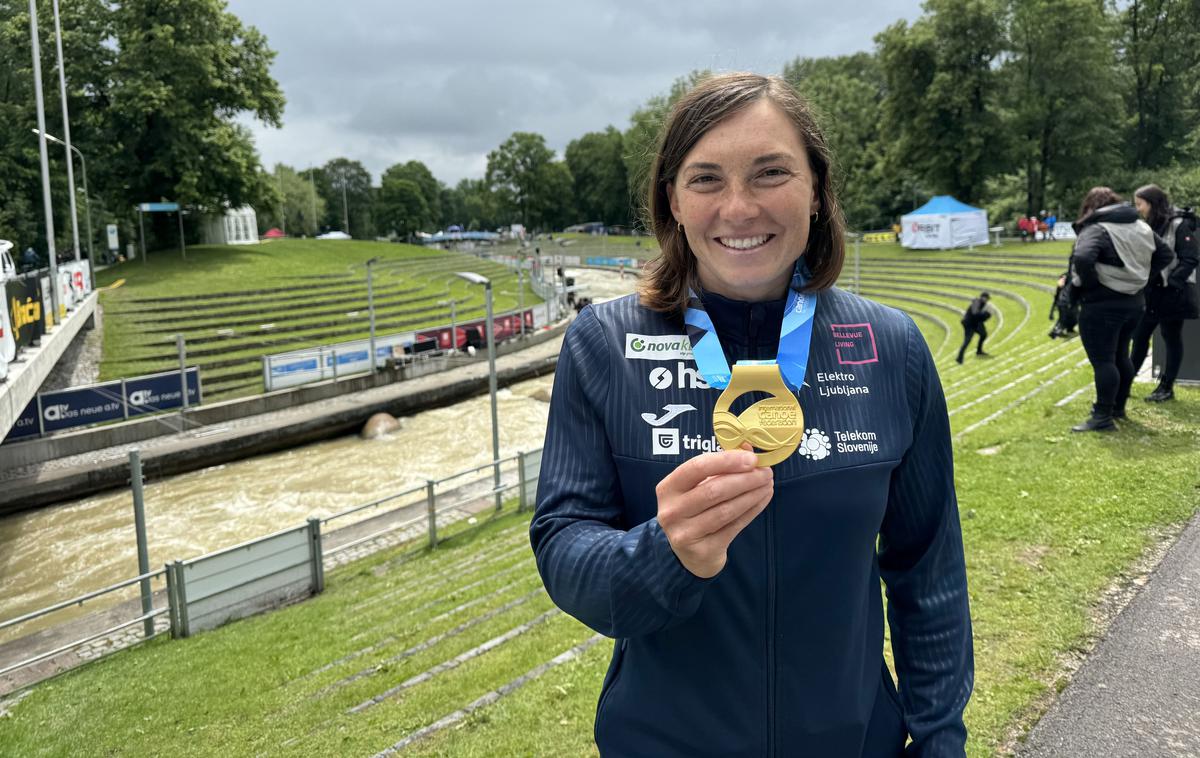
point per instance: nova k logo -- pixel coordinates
(661, 347)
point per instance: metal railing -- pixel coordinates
(79, 602)
(472, 489)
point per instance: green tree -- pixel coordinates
(846, 94)
(297, 209)
(641, 138)
(473, 205)
(941, 94)
(401, 208)
(1064, 99)
(183, 73)
(553, 204)
(87, 25)
(1160, 56)
(431, 189)
(515, 173)
(346, 187)
(597, 166)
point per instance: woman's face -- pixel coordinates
(1143, 208)
(745, 195)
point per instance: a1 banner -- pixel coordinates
(23, 301)
(161, 392)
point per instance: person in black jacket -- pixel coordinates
(972, 320)
(1171, 298)
(1115, 255)
(743, 593)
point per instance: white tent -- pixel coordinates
(944, 223)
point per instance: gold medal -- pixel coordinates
(773, 426)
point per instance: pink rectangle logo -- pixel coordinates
(855, 344)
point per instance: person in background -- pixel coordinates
(972, 320)
(1115, 255)
(1171, 298)
(1023, 226)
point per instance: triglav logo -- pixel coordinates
(658, 347)
(689, 378)
(666, 441)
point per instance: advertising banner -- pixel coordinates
(600, 260)
(80, 278)
(67, 409)
(26, 424)
(160, 392)
(23, 301)
(114, 243)
(303, 366)
(83, 406)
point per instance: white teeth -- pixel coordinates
(744, 243)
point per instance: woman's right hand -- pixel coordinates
(705, 502)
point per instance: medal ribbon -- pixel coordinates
(795, 337)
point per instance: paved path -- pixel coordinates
(1138, 694)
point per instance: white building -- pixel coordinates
(239, 226)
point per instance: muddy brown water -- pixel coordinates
(57, 553)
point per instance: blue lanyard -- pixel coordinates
(795, 337)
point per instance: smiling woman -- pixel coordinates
(742, 587)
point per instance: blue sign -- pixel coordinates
(79, 407)
(83, 406)
(156, 207)
(160, 392)
(26, 424)
(599, 260)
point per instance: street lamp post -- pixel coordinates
(87, 203)
(345, 208)
(491, 351)
(371, 309)
(62, 87)
(41, 120)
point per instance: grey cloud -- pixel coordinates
(446, 82)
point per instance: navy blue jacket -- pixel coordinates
(781, 653)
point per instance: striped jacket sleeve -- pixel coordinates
(621, 580)
(921, 561)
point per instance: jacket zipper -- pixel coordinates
(770, 631)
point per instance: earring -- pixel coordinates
(814, 217)
(679, 227)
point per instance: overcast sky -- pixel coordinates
(445, 82)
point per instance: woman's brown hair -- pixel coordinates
(1095, 199)
(664, 287)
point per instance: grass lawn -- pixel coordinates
(234, 304)
(1050, 519)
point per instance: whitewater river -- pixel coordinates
(56, 553)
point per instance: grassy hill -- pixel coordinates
(235, 304)
(461, 652)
